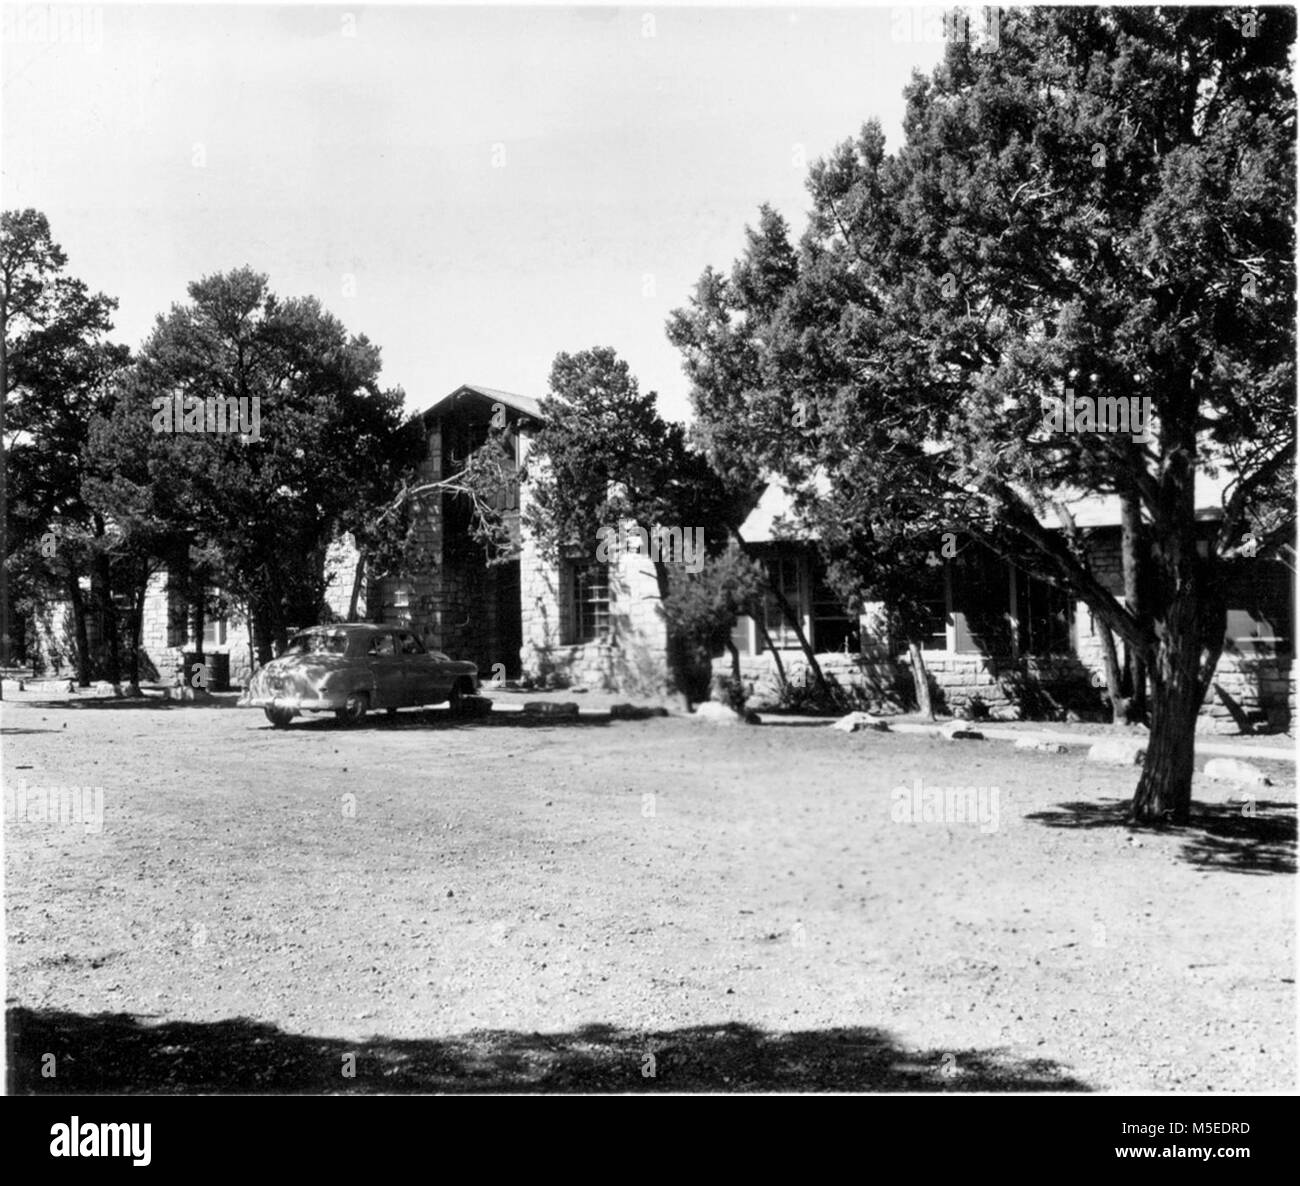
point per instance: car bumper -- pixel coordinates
(296, 703)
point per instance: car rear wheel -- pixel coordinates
(456, 701)
(352, 712)
(279, 717)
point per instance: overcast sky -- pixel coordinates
(474, 189)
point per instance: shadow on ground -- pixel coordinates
(434, 718)
(122, 1053)
(218, 700)
(1220, 836)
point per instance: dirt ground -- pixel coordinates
(505, 904)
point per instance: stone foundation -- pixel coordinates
(1263, 691)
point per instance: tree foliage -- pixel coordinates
(1099, 207)
(329, 445)
(604, 459)
(56, 367)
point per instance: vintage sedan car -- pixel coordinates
(352, 669)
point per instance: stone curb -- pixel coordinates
(1213, 749)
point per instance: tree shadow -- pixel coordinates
(1256, 836)
(124, 1053)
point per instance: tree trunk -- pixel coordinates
(1187, 653)
(358, 576)
(279, 628)
(262, 632)
(79, 630)
(4, 487)
(675, 654)
(107, 612)
(252, 645)
(200, 620)
(1114, 681)
(737, 681)
(921, 678)
(137, 630)
(1133, 553)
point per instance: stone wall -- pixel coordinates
(54, 652)
(1260, 691)
(341, 559)
(631, 659)
(1005, 689)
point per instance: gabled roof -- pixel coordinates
(773, 517)
(523, 404)
(763, 526)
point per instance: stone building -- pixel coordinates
(1001, 639)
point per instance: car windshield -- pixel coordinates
(318, 642)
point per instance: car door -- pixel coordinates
(419, 671)
(387, 670)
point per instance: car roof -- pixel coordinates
(351, 628)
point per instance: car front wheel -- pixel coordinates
(354, 710)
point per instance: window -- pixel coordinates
(589, 602)
(1043, 610)
(381, 645)
(1000, 611)
(1261, 608)
(318, 642)
(216, 628)
(408, 644)
(783, 572)
(980, 585)
(933, 599)
(834, 627)
(396, 600)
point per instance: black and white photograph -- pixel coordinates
(564, 550)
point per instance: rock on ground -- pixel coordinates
(1042, 744)
(719, 714)
(635, 712)
(856, 721)
(1235, 770)
(544, 708)
(1118, 752)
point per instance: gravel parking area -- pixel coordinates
(421, 904)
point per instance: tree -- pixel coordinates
(604, 458)
(55, 371)
(1098, 209)
(871, 555)
(742, 423)
(317, 448)
(701, 609)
